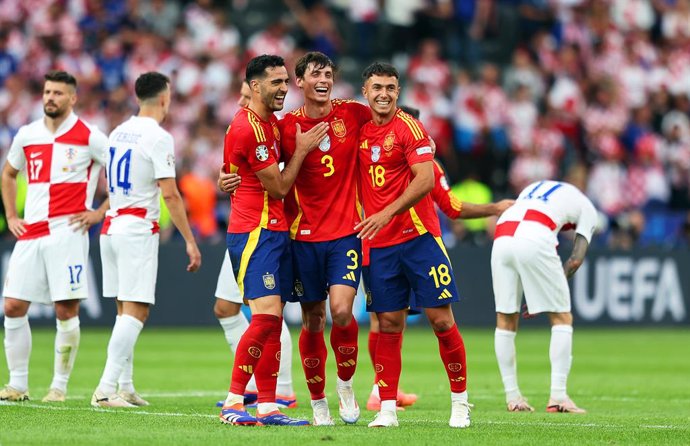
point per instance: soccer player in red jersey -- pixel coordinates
(453, 208)
(322, 211)
(257, 236)
(397, 174)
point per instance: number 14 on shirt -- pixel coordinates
(121, 171)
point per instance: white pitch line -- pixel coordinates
(522, 423)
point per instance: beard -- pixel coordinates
(56, 112)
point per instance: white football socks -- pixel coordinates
(121, 346)
(560, 353)
(66, 346)
(18, 351)
(504, 345)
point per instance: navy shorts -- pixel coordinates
(420, 265)
(262, 263)
(318, 265)
(413, 308)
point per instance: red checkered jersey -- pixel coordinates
(251, 145)
(323, 204)
(141, 153)
(386, 153)
(442, 195)
(62, 171)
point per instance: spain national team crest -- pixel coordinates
(339, 129)
(262, 153)
(375, 154)
(389, 141)
(269, 281)
(325, 144)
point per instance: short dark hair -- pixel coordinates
(414, 112)
(256, 68)
(61, 76)
(380, 69)
(319, 59)
(151, 84)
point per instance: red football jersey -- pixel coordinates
(386, 153)
(442, 196)
(252, 144)
(323, 204)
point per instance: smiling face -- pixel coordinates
(382, 91)
(317, 83)
(58, 99)
(272, 88)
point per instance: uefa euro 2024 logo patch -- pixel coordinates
(375, 154)
(262, 153)
(325, 144)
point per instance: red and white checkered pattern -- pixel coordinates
(61, 169)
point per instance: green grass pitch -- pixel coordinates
(634, 382)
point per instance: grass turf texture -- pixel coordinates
(633, 382)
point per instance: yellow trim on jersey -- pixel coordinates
(295, 224)
(233, 168)
(258, 130)
(443, 247)
(358, 203)
(263, 223)
(455, 202)
(417, 222)
(413, 126)
(247, 252)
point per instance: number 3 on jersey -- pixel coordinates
(121, 174)
(327, 160)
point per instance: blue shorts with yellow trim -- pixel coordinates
(420, 265)
(262, 263)
(318, 265)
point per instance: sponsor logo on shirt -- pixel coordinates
(35, 155)
(170, 160)
(305, 232)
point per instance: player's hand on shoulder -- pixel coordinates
(228, 182)
(308, 141)
(194, 257)
(502, 205)
(84, 220)
(16, 226)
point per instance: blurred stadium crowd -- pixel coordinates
(595, 92)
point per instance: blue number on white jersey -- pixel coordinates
(121, 171)
(545, 196)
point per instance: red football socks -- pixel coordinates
(344, 344)
(373, 341)
(452, 349)
(388, 364)
(313, 352)
(266, 372)
(250, 349)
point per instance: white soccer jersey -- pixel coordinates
(62, 171)
(563, 205)
(141, 152)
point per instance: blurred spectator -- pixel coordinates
(8, 63)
